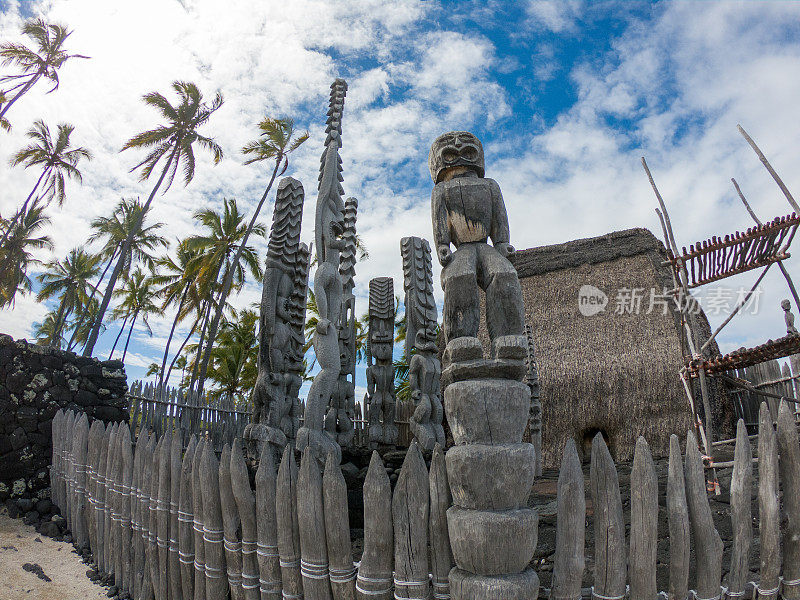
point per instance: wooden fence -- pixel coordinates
(162, 408)
(171, 525)
(771, 377)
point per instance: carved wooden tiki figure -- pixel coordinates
(329, 227)
(468, 209)
(272, 402)
(425, 369)
(380, 373)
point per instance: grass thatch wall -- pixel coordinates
(615, 373)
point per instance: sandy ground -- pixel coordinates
(22, 545)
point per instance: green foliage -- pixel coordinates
(17, 252)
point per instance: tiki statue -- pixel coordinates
(425, 369)
(272, 402)
(468, 209)
(789, 318)
(380, 396)
(329, 227)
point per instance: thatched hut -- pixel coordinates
(616, 371)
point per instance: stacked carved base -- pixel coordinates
(493, 533)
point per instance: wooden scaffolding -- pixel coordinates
(717, 258)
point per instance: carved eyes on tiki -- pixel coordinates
(452, 155)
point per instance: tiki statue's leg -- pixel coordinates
(505, 313)
(461, 313)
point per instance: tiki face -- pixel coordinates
(381, 336)
(455, 149)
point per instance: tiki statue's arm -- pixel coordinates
(441, 227)
(500, 234)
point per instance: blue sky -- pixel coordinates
(566, 97)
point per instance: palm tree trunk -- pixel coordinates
(21, 211)
(171, 333)
(91, 297)
(130, 331)
(203, 332)
(19, 94)
(178, 353)
(226, 285)
(126, 249)
(119, 335)
(60, 318)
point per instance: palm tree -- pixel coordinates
(274, 144)
(69, 281)
(126, 220)
(138, 296)
(223, 257)
(174, 140)
(234, 357)
(55, 158)
(45, 61)
(179, 288)
(45, 330)
(16, 253)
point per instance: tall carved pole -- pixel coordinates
(535, 418)
(380, 373)
(492, 531)
(340, 417)
(329, 227)
(425, 370)
(272, 394)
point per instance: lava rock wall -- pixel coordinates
(35, 381)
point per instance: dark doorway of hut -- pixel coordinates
(585, 442)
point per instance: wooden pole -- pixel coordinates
(741, 512)
(772, 171)
(768, 509)
(569, 562)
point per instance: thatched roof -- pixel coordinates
(615, 373)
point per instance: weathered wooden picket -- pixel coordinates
(174, 525)
(772, 377)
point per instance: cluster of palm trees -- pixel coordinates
(126, 279)
(133, 273)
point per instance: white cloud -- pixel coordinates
(557, 16)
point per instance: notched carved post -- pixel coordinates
(535, 419)
(380, 397)
(569, 561)
(425, 370)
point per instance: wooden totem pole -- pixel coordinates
(425, 370)
(329, 228)
(274, 394)
(492, 531)
(380, 398)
